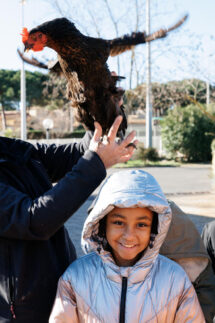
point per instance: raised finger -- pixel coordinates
(125, 158)
(114, 128)
(132, 146)
(128, 139)
(97, 132)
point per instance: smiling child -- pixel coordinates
(125, 279)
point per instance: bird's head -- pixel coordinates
(35, 40)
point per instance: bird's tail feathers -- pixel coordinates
(127, 42)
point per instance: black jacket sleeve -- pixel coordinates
(38, 219)
(58, 160)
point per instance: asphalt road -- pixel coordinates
(173, 180)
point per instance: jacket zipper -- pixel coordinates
(123, 300)
(11, 287)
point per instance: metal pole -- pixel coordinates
(148, 81)
(47, 134)
(23, 87)
(207, 93)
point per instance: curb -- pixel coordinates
(187, 193)
(93, 196)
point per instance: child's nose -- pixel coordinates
(128, 233)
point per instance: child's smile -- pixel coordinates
(128, 233)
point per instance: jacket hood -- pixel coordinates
(128, 189)
(183, 239)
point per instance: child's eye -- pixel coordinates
(141, 225)
(118, 222)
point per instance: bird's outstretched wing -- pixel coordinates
(127, 42)
(32, 61)
(52, 66)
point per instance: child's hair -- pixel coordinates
(101, 239)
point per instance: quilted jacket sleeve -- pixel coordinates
(65, 307)
(189, 310)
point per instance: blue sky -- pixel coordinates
(201, 22)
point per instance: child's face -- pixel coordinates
(128, 233)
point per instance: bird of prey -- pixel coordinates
(91, 87)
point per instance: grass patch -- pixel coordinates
(138, 163)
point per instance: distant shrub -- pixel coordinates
(36, 134)
(41, 134)
(78, 132)
(74, 134)
(213, 145)
(9, 133)
(188, 132)
(150, 154)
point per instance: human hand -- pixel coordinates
(108, 149)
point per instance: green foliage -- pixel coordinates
(34, 88)
(74, 134)
(36, 134)
(40, 134)
(188, 131)
(78, 132)
(9, 133)
(134, 163)
(10, 88)
(47, 90)
(213, 145)
(150, 154)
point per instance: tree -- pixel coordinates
(34, 88)
(8, 93)
(189, 132)
(168, 95)
(10, 88)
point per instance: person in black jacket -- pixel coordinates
(35, 248)
(208, 236)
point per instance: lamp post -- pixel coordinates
(23, 86)
(48, 124)
(148, 81)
